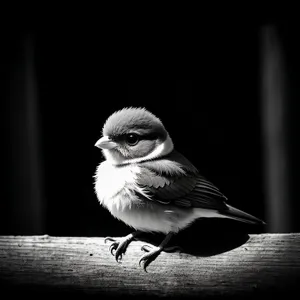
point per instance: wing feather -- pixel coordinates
(188, 189)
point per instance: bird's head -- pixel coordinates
(133, 135)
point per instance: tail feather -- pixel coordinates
(239, 215)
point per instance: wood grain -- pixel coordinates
(263, 264)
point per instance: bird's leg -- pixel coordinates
(150, 256)
(120, 246)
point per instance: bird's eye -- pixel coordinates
(132, 139)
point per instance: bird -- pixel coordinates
(144, 182)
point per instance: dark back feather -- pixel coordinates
(184, 189)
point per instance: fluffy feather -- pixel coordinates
(118, 191)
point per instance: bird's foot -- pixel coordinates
(119, 246)
(152, 252)
(150, 255)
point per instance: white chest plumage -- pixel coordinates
(115, 186)
(116, 189)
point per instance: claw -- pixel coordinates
(119, 255)
(119, 246)
(150, 256)
(111, 251)
(144, 264)
(115, 251)
(119, 258)
(141, 259)
(146, 248)
(109, 239)
(113, 247)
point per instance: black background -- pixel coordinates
(213, 113)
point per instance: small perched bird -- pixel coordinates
(151, 187)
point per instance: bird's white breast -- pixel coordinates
(116, 189)
(115, 186)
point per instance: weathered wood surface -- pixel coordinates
(265, 263)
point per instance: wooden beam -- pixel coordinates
(262, 264)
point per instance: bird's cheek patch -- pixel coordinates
(143, 148)
(124, 152)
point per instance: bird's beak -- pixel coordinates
(105, 143)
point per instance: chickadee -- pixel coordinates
(151, 187)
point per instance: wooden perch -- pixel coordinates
(263, 264)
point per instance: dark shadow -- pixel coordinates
(207, 237)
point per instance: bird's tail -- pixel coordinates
(236, 214)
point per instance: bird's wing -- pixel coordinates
(187, 189)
